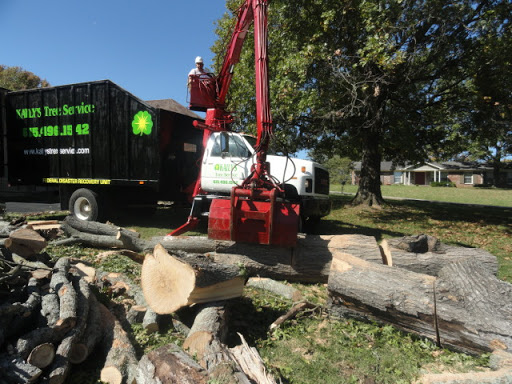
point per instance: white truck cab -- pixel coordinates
(228, 159)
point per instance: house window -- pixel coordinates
(509, 178)
(397, 177)
(444, 177)
(468, 178)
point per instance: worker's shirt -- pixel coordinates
(197, 71)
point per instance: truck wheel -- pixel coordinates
(83, 204)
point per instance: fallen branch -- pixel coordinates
(292, 313)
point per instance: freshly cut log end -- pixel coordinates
(169, 283)
(111, 375)
(166, 281)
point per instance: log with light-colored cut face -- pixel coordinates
(170, 283)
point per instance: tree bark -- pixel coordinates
(67, 294)
(369, 192)
(120, 364)
(465, 308)
(206, 341)
(431, 262)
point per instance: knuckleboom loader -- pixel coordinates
(272, 195)
(105, 149)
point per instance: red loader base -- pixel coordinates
(247, 218)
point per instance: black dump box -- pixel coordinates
(96, 134)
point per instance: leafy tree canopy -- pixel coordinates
(370, 79)
(16, 78)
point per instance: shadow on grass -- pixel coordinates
(400, 218)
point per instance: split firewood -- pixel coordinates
(294, 311)
(465, 308)
(16, 370)
(425, 254)
(206, 342)
(120, 363)
(67, 294)
(169, 364)
(170, 283)
(251, 363)
(276, 287)
(26, 242)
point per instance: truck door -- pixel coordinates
(226, 163)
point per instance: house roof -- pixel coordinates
(388, 166)
(173, 106)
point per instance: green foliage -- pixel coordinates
(16, 78)
(368, 80)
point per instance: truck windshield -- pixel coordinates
(252, 141)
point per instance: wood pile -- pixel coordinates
(50, 319)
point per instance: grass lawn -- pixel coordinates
(482, 196)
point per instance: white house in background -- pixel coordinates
(459, 173)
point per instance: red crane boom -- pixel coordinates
(255, 212)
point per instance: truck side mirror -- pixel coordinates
(224, 144)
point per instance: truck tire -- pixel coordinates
(83, 204)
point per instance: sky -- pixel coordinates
(147, 47)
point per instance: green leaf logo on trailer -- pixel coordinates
(142, 123)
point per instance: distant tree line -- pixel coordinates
(16, 78)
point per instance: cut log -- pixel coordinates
(276, 287)
(466, 308)
(431, 262)
(102, 235)
(120, 363)
(98, 228)
(90, 337)
(29, 341)
(170, 283)
(61, 366)
(67, 294)
(42, 355)
(206, 342)
(169, 364)
(27, 238)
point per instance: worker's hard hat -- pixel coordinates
(199, 59)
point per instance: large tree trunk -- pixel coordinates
(369, 192)
(466, 308)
